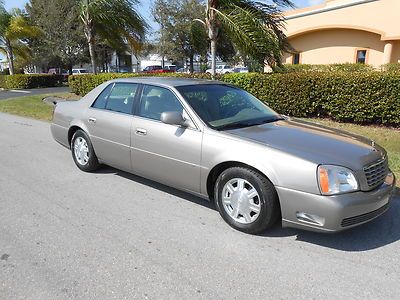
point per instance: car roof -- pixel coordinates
(168, 81)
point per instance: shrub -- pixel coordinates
(347, 67)
(361, 97)
(393, 67)
(371, 97)
(28, 81)
(82, 84)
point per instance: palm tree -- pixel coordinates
(114, 21)
(255, 28)
(14, 28)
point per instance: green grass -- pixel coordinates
(388, 138)
(32, 106)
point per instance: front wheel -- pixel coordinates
(83, 153)
(246, 200)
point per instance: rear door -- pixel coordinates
(109, 124)
(166, 153)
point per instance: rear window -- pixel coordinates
(117, 97)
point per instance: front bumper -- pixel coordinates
(333, 213)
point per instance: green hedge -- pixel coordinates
(346, 67)
(29, 81)
(361, 97)
(82, 84)
(393, 67)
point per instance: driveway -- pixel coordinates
(111, 235)
(6, 94)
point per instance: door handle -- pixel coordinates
(92, 120)
(141, 131)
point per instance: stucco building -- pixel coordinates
(345, 31)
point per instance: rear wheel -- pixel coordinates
(83, 153)
(246, 200)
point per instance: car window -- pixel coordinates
(221, 105)
(156, 100)
(101, 100)
(122, 97)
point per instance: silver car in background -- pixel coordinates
(221, 143)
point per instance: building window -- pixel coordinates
(296, 59)
(361, 56)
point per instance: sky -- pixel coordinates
(146, 4)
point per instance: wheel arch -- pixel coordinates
(71, 131)
(218, 169)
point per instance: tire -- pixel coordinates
(246, 200)
(86, 162)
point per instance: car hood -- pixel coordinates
(315, 143)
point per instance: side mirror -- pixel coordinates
(173, 118)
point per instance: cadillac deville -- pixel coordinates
(219, 142)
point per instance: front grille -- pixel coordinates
(365, 217)
(376, 173)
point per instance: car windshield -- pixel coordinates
(227, 107)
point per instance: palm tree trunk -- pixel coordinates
(92, 55)
(88, 29)
(212, 33)
(213, 57)
(10, 57)
(191, 63)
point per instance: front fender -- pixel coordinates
(282, 169)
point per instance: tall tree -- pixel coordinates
(63, 43)
(14, 30)
(255, 28)
(179, 37)
(115, 21)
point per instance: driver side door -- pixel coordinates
(166, 153)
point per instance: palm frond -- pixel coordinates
(256, 28)
(19, 28)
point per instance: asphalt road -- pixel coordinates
(7, 94)
(110, 235)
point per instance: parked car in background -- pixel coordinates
(219, 142)
(153, 69)
(221, 69)
(241, 70)
(58, 71)
(79, 71)
(182, 70)
(159, 69)
(171, 68)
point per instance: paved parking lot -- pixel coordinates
(111, 235)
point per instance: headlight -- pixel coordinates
(335, 180)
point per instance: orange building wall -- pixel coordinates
(328, 33)
(336, 46)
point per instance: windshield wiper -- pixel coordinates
(248, 124)
(270, 120)
(235, 125)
